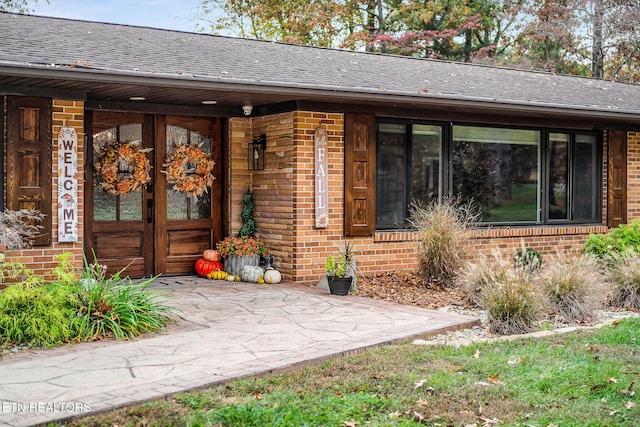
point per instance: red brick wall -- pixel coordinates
(43, 259)
(291, 223)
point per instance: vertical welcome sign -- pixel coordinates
(67, 185)
(321, 179)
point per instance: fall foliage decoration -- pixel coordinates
(123, 167)
(189, 169)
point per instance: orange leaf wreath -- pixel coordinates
(123, 167)
(189, 169)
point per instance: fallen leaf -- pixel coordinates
(627, 392)
(612, 413)
(471, 425)
(419, 384)
(613, 380)
(593, 348)
(483, 384)
(351, 423)
(516, 361)
(396, 414)
(489, 422)
(418, 416)
(494, 379)
(477, 355)
(422, 404)
(629, 405)
(615, 323)
(257, 395)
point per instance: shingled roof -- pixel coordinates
(91, 50)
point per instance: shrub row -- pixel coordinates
(77, 307)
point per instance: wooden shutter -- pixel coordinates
(616, 178)
(29, 158)
(359, 174)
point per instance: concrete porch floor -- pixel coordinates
(229, 330)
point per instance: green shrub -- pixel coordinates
(620, 239)
(117, 307)
(37, 316)
(443, 229)
(574, 286)
(41, 314)
(528, 259)
(624, 273)
(512, 304)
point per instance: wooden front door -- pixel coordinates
(157, 230)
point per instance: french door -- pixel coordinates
(157, 230)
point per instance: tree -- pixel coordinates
(598, 38)
(327, 23)
(20, 6)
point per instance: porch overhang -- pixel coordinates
(94, 85)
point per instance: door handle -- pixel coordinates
(149, 211)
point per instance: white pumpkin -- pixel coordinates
(272, 276)
(250, 273)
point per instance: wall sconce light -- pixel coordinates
(256, 153)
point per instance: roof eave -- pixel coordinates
(362, 94)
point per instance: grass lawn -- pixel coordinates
(583, 378)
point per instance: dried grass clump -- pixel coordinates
(505, 289)
(443, 228)
(512, 305)
(574, 286)
(624, 273)
(476, 277)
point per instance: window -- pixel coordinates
(515, 176)
(408, 167)
(499, 169)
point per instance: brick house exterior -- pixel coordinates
(90, 82)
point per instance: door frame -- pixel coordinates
(154, 130)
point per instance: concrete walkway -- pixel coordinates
(229, 330)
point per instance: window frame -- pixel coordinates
(544, 166)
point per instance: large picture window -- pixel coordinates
(513, 175)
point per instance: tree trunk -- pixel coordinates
(597, 60)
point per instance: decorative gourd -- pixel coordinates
(250, 273)
(217, 275)
(231, 278)
(204, 267)
(272, 276)
(211, 255)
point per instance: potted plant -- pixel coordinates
(341, 271)
(240, 251)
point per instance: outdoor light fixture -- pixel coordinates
(247, 110)
(256, 153)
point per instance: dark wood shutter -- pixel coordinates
(359, 174)
(616, 178)
(29, 158)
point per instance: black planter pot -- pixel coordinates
(339, 285)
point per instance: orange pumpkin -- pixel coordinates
(204, 267)
(211, 255)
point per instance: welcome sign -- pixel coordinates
(67, 185)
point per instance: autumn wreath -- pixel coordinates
(122, 167)
(189, 169)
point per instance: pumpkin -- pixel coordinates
(272, 276)
(204, 267)
(211, 255)
(250, 273)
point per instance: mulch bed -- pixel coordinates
(405, 287)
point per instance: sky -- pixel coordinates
(169, 14)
